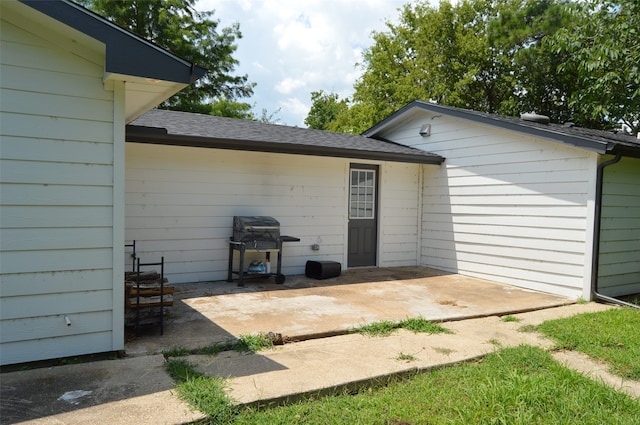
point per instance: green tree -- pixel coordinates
(433, 53)
(604, 48)
(192, 35)
(266, 116)
(325, 109)
(224, 107)
(517, 35)
(573, 61)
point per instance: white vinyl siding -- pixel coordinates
(619, 266)
(504, 206)
(180, 203)
(399, 214)
(56, 199)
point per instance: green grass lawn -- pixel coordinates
(612, 336)
(522, 385)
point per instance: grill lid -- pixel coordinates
(254, 223)
(258, 231)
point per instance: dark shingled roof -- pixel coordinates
(206, 131)
(603, 142)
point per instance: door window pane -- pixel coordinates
(362, 194)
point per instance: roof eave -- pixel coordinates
(126, 52)
(585, 143)
(627, 151)
(159, 136)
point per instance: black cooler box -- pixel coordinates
(322, 269)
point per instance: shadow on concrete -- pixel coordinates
(212, 312)
(44, 393)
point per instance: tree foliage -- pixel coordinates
(178, 27)
(604, 50)
(518, 34)
(572, 61)
(325, 109)
(224, 107)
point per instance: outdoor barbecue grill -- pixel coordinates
(256, 234)
(259, 232)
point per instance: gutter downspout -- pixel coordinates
(597, 225)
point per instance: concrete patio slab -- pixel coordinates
(303, 308)
(125, 391)
(329, 365)
(136, 389)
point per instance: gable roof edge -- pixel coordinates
(143, 59)
(547, 134)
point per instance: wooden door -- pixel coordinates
(363, 215)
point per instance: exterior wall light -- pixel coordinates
(425, 130)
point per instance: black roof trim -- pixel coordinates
(204, 131)
(602, 142)
(143, 135)
(127, 53)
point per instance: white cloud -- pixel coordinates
(288, 85)
(291, 47)
(296, 108)
(245, 4)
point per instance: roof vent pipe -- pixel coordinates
(533, 117)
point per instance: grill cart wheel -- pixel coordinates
(280, 279)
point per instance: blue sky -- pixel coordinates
(293, 47)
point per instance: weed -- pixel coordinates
(510, 319)
(181, 370)
(176, 352)
(422, 325)
(631, 299)
(528, 328)
(244, 344)
(442, 350)
(213, 349)
(381, 328)
(406, 357)
(208, 395)
(253, 343)
(387, 327)
(205, 393)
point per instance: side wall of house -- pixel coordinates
(619, 266)
(180, 204)
(400, 211)
(504, 206)
(56, 198)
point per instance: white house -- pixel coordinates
(70, 81)
(188, 175)
(515, 201)
(548, 207)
